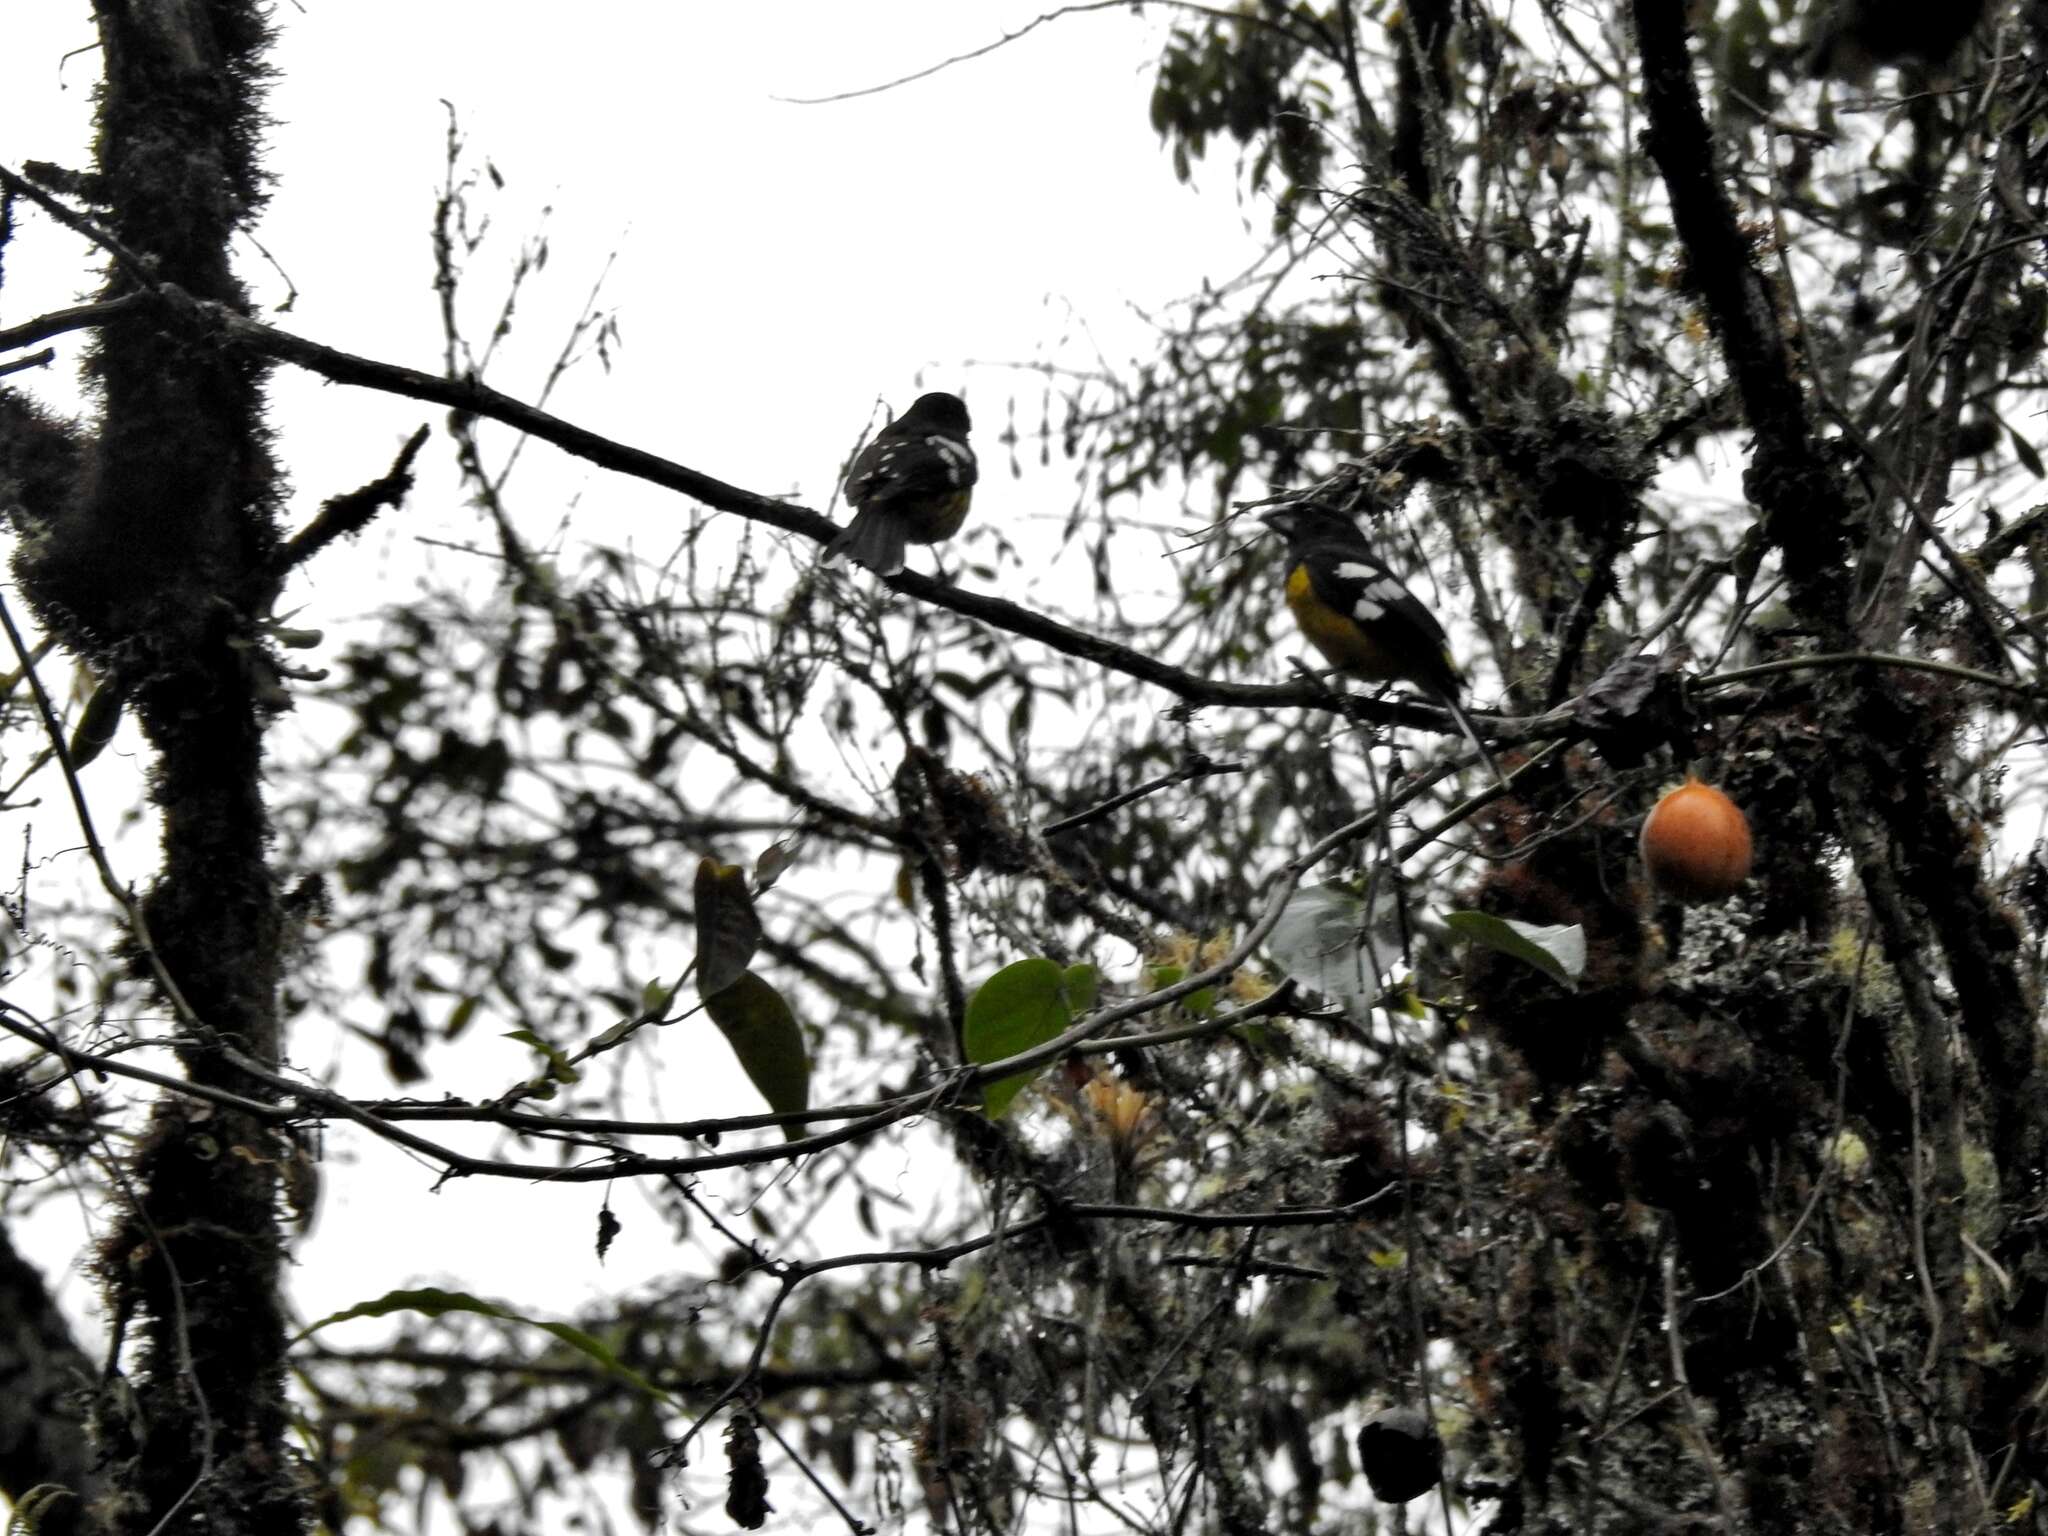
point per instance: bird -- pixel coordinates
(911, 485)
(1355, 610)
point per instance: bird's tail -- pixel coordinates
(873, 539)
(1458, 714)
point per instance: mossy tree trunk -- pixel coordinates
(157, 562)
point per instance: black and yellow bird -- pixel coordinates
(911, 485)
(1357, 613)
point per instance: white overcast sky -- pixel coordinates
(778, 268)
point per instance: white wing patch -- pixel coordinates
(1380, 591)
(958, 456)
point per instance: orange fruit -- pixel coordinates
(1696, 844)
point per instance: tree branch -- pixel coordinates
(352, 511)
(1806, 513)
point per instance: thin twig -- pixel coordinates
(352, 511)
(1029, 27)
(40, 359)
(140, 268)
(1703, 1448)
(82, 317)
(1196, 767)
(110, 882)
(1872, 659)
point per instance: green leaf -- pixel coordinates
(655, 998)
(1081, 982)
(1320, 942)
(1197, 1004)
(30, 1507)
(1022, 1005)
(768, 1041)
(728, 933)
(559, 1065)
(459, 1017)
(96, 726)
(1559, 952)
(2020, 446)
(431, 1301)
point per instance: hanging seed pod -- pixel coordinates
(1696, 844)
(1402, 1454)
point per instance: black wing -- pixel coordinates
(916, 469)
(1366, 591)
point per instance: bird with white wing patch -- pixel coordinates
(911, 485)
(1360, 616)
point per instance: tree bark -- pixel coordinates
(45, 1380)
(159, 567)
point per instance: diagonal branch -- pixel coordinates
(472, 397)
(476, 398)
(352, 511)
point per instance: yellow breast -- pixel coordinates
(940, 518)
(1338, 636)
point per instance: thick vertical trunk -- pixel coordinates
(1952, 948)
(169, 547)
